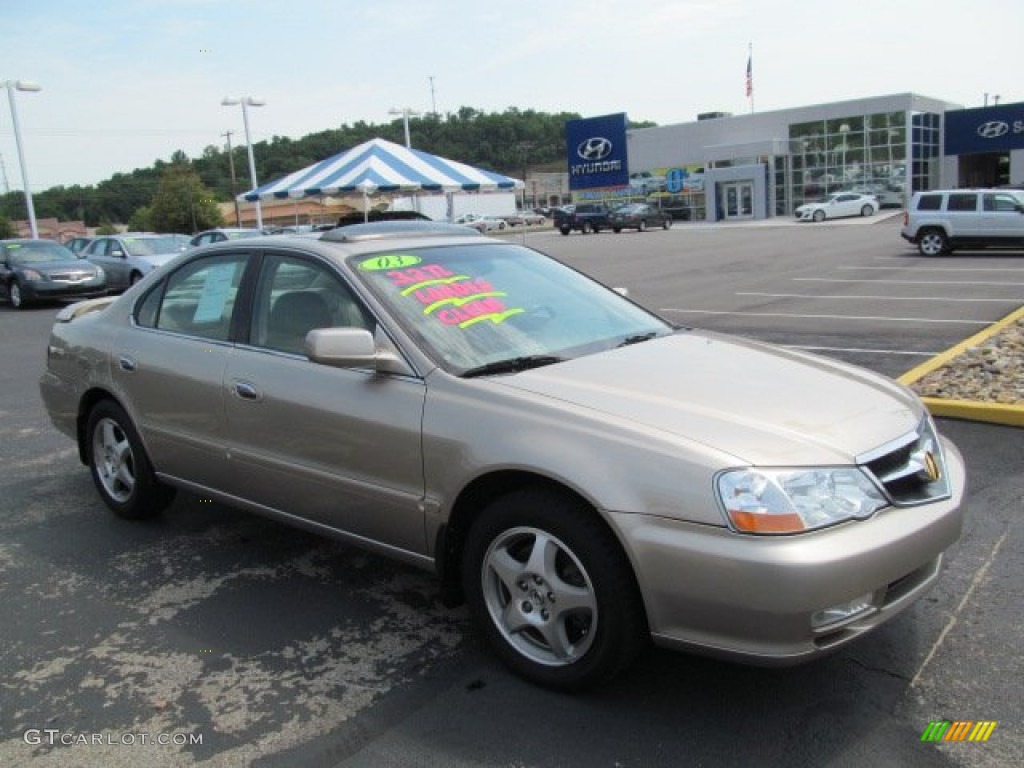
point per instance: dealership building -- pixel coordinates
(766, 164)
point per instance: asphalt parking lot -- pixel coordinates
(278, 648)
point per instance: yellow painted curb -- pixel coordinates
(993, 413)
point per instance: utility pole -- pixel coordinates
(3, 173)
(234, 183)
(433, 100)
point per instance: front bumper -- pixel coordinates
(45, 290)
(753, 598)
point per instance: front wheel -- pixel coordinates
(667, 224)
(932, 243)
(119, 465)
(552, 590)
(565, 230)
(819, 216)
(14, 292)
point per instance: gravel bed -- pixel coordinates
(991, 372)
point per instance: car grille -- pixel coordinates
(911, 470)
(71, 276)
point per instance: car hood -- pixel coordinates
(763, 405)
(60, 265)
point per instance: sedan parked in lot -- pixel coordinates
(481, 223)
(129, 257)
(39, 270)
(585, 474)
(224, 233)
(638, 216)
(837, 206)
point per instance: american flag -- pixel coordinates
(750, 75)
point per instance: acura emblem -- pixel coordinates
(931, 466)
(993, 129)
(594, 148)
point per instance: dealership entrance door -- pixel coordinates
(991, 169)
(738, 200)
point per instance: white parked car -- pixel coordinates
(837, 206)
(481, 223)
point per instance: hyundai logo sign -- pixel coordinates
(595, 148)
(993, 129)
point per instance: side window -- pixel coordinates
(929, 203)
(961, 201)
(200, 297)
(147, 309)
(294, 296)
(999, 202)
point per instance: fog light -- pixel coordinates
(842, 612)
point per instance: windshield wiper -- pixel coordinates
(637, 339)
(512, 365)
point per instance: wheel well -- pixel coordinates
(470, 502)
(85, 406)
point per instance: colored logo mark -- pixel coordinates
(959, 730)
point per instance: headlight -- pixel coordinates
(794, 500)
(31, 275)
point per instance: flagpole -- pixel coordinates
(750, 75)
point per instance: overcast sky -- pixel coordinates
(127, 82)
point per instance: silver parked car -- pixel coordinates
(129, 257)
(586, 475)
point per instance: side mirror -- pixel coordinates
(351, 348)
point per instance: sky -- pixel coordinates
(128, 82)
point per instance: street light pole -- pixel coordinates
(234, 182)
(246, 102)
(404, 112)
(12, 86)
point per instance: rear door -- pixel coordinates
(962, 211)
(169, 366)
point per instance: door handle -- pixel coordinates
(246, 390)
(127, 363)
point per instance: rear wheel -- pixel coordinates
(932, 242)
(552, 591)
(119, 465)
(667, 224)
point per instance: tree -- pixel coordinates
(141, 220)
(182, 202)
(6, 228)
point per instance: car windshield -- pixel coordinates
(38, 251)
(151, 246)
(481, 304)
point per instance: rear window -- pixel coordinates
(962, 202)
(929, 202)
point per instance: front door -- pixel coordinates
(739, 200)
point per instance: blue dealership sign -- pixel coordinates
(985, 129)
(596, 149)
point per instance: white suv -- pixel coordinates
(941, 220)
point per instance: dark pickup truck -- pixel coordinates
(585, 217)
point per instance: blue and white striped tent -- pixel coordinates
(381, 166)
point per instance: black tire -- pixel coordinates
(932, 242)
(867, 210)
(528, 551)
(616, 230)
(119, 465)
(17, 298)
(565, 230)
(819, 216)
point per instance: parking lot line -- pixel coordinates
(899, 282)
(906, 352)
(945, 269)
(868, 298)
(827, 317)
